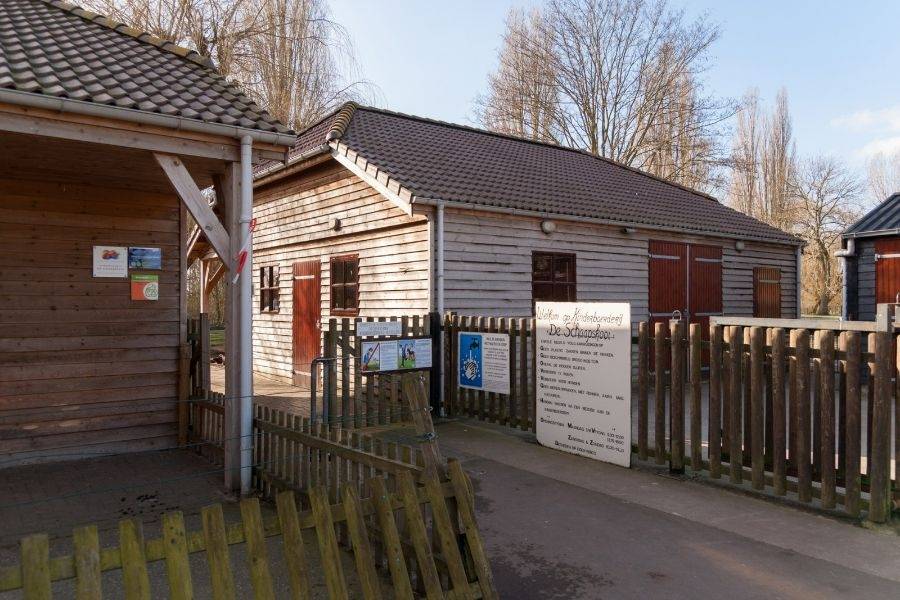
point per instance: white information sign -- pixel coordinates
(484, 361)
(378, 328)
(110, 261)
(584, 379)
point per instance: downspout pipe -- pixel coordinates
(799, 282)
(844, 254)
(245, 363)
(439, 239)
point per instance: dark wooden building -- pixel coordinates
(871, 261)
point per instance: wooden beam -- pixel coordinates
(189, 193)
(362, 171)
(214, 275)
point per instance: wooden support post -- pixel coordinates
(779, 473)
(643, 385)
(659, 415)
(880, 461)
(696, 392)
(826, 420)
(184, 392)
(853, 418)
(815, 390)
(757, 387)
(676, 408)
(735, 389)
(203, 367)
(715, 402)
(804, 467)
(792, 404)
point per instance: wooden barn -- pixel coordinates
(108, 135)
(870, 256)
(380, 214)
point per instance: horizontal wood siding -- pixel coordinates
(83, 368)
(295, 222)
(488, 264)
(865, 251)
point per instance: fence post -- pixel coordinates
(330, 382)
(736, 343)
(643, 384)
(676, 401)
(804, 467)
(852, 481)
(715, 401)
(659, 415)
(779, 473)
(696, 355)
(204, 353)
(184, 385)
(435, 329)
(879, 465)
(757, 386)
(826, 420)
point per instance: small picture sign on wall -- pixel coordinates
(110, 261)
(147, 259)
(144, 287)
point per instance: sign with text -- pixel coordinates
(378, 328)
(144, 287)
(584, 379)
(403, 354)
(110, 261)
(145, 258)
(484, 361)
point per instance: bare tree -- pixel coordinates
(763, 162)
(289, 55)
(883, 175)
(827, 195)
(617, 78)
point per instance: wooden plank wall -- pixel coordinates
(82, 367)
(294, 223)
(488, 264)
(865, 252)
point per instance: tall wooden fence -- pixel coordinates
(800, 411)
(438, 553)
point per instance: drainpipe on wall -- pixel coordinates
(439, 235)
(245, 364)
(844, 254)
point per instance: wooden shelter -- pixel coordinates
(383, 214)
(108, 135)
(870, 257)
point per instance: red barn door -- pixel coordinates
(307, 307)
(887, 270)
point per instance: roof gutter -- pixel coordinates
(875, 233)
(433, 202)
(91, 109)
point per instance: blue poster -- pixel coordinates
(471, 365)
(145, 258)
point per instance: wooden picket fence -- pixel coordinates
(516, 409)
(399, 551)
(784, 410)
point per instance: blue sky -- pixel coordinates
(838, 61)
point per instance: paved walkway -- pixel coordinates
(561, 526)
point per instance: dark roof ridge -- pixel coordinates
(516, 138)
(138, 34)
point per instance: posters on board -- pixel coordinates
(484, 361)
(144, 287)
(110, 261)
(147, 259)
(395, 355)
(378, 328)
(584, 379)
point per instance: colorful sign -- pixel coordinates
(148, 259)
(144, 287)
(484, 361)
(378, 328)
(584, 379)
(395, 355)
(110, 261)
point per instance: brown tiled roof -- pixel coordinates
(55, 49)
(438, 160)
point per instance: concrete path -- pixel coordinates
(561, 526)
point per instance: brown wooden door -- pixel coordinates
(767, 292)
(705, 283)
(307, 324)
(887, 270)
(668, 285)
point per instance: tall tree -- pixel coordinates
(883, 175)
(617, 78)
(826, 203)
(289, 55)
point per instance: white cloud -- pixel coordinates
(883, 120)
(887, 146)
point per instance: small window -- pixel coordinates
(345, 285)
(553, 277)
(268, 289)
